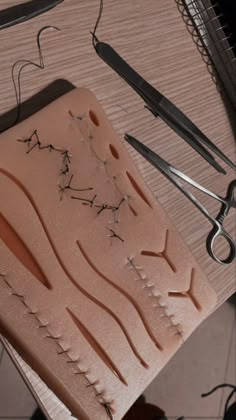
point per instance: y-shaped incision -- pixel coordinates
(163, 254)
(189, 293)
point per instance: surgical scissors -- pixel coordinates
(175, 176)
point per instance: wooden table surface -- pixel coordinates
(152, 37)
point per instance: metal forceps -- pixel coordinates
(175, 176)
(161, 106)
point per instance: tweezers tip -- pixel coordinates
(221, 170)
(131, 140)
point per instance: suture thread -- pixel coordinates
(149, 286)
(64, 268)
(24, 64)
(62, 351)
(66, 157)
(93, 33)
(69, 187)
(124, 293)
(114, 235)
(65, 170)
(124, 198)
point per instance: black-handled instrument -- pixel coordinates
(25, 11)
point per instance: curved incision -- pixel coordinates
(123, 292)
(96, 346)
(66, 271)
(15, 244)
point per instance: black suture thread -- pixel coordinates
(66, 162)
(22, 299)
(69, 187)
(93, 33)
(114, 235)
(85, 200)
(26, 63)
(103, 207)
(66, 159)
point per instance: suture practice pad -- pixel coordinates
(97, 288)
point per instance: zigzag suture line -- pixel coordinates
(66, 271)
(65, 171)
(33, 142)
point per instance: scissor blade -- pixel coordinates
(171, 173)
(158, 104)
(23, 12)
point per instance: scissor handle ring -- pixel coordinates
(216, 232)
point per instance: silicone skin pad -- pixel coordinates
(97, 288)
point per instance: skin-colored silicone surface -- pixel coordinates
(97, 288)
